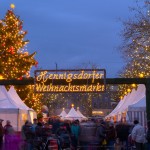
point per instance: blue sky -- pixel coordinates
(71, 33)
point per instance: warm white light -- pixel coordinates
(141, 75)
(97, 112)
(129, 90)
(133, 85)
(1, 77)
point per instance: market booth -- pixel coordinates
(12, 108)
(72, 115)
(131, 107)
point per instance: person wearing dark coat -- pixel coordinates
(39, 130)
(148, 135)
(75, 132)
(111, 135)
(101, 134)
(29, 134)
(63, 136)
(1, 133)
(55, 125)
(123, 131)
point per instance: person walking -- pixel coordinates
(75, 131)
(35, 121)
(27, 135)
(138, 135)
(8, 131)
(148, 135)
(1, 133)
(101, 135)
(122, 133)
(30, 135)
(63, 136)
(111, 135)
(9, 134)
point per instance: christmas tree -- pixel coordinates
(136, 47)
(15, 61)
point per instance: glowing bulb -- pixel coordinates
(1, 77)
(141, 75)
(133, 85)
(12, 6)
(129, 90)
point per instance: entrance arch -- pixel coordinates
(145, 81)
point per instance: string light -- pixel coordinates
(15, 61)
(136, 48)
(141, 75)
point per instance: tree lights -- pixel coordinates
(15, 61)
(136, 47)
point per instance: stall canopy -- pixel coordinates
(133, 106)
(12, 110)
(140, 105)
(83, 117)
(21, 104)
(117, 107)
(62, 114)
(13, 94)
(127, 101)
(138, 111)
(130, 99)
(72, 115)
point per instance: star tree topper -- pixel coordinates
(12, 6)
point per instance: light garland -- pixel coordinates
(15, 61)
(137, 49)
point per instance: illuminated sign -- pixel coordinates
(83, 80)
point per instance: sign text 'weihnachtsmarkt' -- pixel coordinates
(83, 80)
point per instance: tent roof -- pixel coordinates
(140, 105)
(127, 101)
(131, 98)
(78, 111)
(5, 100)
(63, 114)
(13, 94)
(117, 107)
(140, 93)
(72, 114)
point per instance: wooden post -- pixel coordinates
(147, 85)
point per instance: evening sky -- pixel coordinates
(73, 33)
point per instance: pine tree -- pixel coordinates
(15, 61)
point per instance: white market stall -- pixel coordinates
(31, 113)
(12, 110)
(116, 108)
(138, 110)
(129, 109)
(72, 115)
(62, 114)
(83, 117)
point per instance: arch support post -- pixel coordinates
(147, 85)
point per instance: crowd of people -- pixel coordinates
(37, 135)
(7, 134)
(107, 135)
(122, 136)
